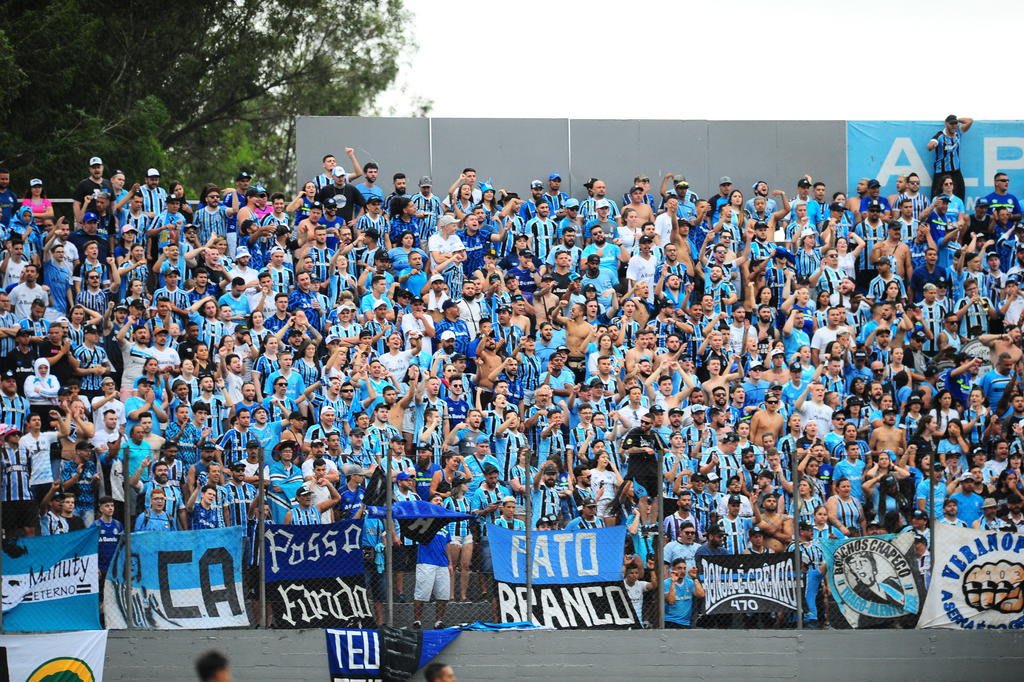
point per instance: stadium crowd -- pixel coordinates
(512, 351)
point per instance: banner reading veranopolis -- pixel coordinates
(315, 576)
(577, 578)
(978, 581)
(187, 579)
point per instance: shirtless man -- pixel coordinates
(1009, 343)
(546, 303)
(578, 333)
(488, 362)
(893, 249)
(636, 202)
(768, 420)
(646, 345)
(777, 527)
(887, 436)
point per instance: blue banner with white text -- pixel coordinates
(577, 578)
(315, 575)
(179, 580)
(359, 654)
(884, 150)
(52, 583)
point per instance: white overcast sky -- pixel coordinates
(724, 60)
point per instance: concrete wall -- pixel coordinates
(588, 656)
(511, 152)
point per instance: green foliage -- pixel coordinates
(197, 89)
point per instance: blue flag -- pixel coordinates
(52, 583)
(357, 654)
(560, 557)
(419, 521)
(315, 575)
(180, 579)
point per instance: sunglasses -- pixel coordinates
(280, 384)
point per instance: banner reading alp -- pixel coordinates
(186, 579)
(886, 149)
(52, 583)
(577, 578)
(744, 583)
(978, 581)
(873, 577)
(315, 576)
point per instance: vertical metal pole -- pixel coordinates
(128, 505)
(797, 568)
(389, 532)
(261, 534)
(2, 539)
(529, 552)
(931, 515)
(659, 545)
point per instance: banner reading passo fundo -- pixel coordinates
(978, 582)
(180, 580)
(745, 583)
(873, 577)
(52, 583)
(315, 576)
(577, 578)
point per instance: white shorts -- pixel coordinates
(432, 581)
(461, 540)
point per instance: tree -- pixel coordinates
(196, 89)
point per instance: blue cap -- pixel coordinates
(261, 189)
(555, 176)
(90, 217)
(486, 187)
(482, 439)
(572, 203)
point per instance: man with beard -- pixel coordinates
(643, 445)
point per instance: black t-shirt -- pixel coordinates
(87, 187)
(62, 369)
(347, 197)
(21, 364)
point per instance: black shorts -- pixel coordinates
(21, 514)
(39, 491)
(404, 557)
(374, 581)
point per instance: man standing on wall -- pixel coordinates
(946, 145)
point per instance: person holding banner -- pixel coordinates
(680, 588)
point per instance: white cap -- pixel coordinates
(436, 278)
(338, 171)
(35, 182)
(602, 203)
(446, 335)
(446, 220)
(152, 172)
(242, 252)
(807, 232)
(95, 161)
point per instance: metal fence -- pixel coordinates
(374, 571)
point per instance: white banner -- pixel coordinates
(978, 582)
(72, 656)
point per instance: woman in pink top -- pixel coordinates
(35, 198)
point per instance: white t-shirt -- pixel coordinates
(643, 269)
(636, 595)
(439, 243)
(97, 412)
(37, 449)
(22, 297)
(817, 412)
(396, 363)
(410, 323)
(168, 357)
(663, 226)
